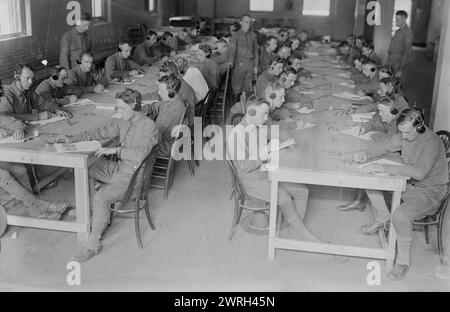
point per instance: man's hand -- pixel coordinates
(19, 135)
(360, 93)
(63, 113)
(133, 72)
(3, 134)
(398, 74)
(361, 157)
(99, 88)
(71, 98)
(107, 151)
(173, 53)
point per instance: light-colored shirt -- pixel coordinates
(195, 79)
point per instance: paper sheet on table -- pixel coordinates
(283, 145)
(311, 53)
(79, 147)
(348, 85)
(83, 102)
(104, 91)
(123, 82)
(345, 75)
(351, 96)
(307, 92)
(10, 140)
(356, 132)
(305, 111)
(379, 162)
(183, 55)
(307, 126)
(105, 107)
(362, 117)
(139, 76)
(46, 122)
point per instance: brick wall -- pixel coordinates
(33, 49)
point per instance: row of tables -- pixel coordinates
(323, 156)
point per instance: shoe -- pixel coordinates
(356, 205)
(374, 228)
(85, 255)
(398, 272)
(57, 208)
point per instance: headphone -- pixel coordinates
(273, 96)
(18, 71)
(55, 72)
(417, 117)
(170, 90)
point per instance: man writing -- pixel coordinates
(84, 77)
(144, 54)
(120, 66)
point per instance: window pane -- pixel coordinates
(316, 7)
(97, 8)
(261, 5)
(10, 17)
(151, 5)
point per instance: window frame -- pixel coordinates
(316, 15)
(147, 6)
(25, 22)
(106, 13)
(259, 10)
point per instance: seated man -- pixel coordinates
(166, 113)
(292, 198)
(167, 46)
(138, 135)
(370, 87)
(272, 74)
(209, 69)
(203, 28)
(344, 51)
(296, 63)
(288, 79)
(304, 42)
(268, 54)
(356, 71)
(368, 51)
(144, 54)
(284, 52)
(296, 50)
(21, 102)
(221, 56)
(20, 188)
(56, 90)
(424, 160)
(85, 77)
(189, 38)
(193, 77)
(120, 66)
(186, 93)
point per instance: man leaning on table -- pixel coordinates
(21, 102)
(292, 198)
(424, 160)
(120, 66)
(85, 77)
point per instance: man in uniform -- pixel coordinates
(120, 66)
(144, 54)
(84, 77)
(400, 50)
(75, 41)
(244, 55)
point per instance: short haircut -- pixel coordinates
(395, 82)
(151, 33)
(182, 65)
(402, 13)
(245, 15)
(273, 87)
(276, 60)
(56, 70)
(269, 39)
(387, 69)
(252, 102)
(18, 69)
(289, 71)
(131, 97)
(169, 67)
(166, 35)
(172, 82)
(236, 26)
(206, 48)
(414, 115)
(282, 30)
(222, 41)
(128, 42)
(85, 53)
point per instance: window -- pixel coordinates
(100, 10)
(261, 5)
(150, 5)
(15, 20)
(316, 7)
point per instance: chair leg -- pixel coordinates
(236, 217)
(167, 181)
(147, 214)
(136, 225)
(427, 234)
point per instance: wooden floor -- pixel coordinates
(189, 250)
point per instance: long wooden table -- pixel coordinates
(323, 157)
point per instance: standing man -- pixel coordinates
(244, 55)
(75, 41)
(400, 50)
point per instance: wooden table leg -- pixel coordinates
(273, 219)
(82, 203)
(396, 201)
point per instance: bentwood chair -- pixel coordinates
(241, 200)
(138, 190)
(219, 109)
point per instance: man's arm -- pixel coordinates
(9, 123)
(388, 145)
(44, 104)
(107, 132)
(150, 138)
(135, 66)
(111, 72)
(152, 109)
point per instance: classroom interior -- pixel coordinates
(190, 250)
